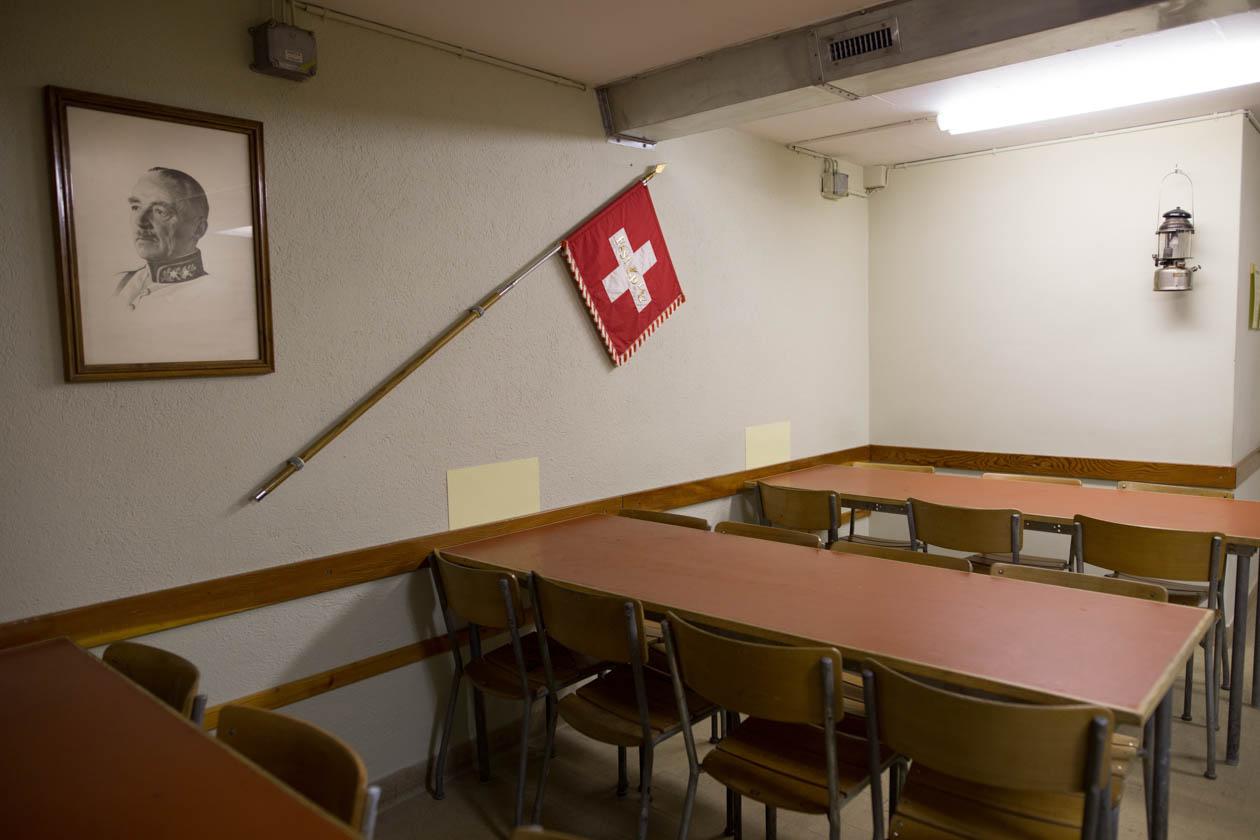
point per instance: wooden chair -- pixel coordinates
(1124, 748)
(1090, 583)
(800, 510)
(875, 465)
(313, 762)
(1038, 479)
(983, 768)
(1189, 592)
(905, 555)
(666, 518)
(765, 532)
(630, 704)
(1143, 486)
(1157, 553)
(866, 539)
(170, 678)
(486, 598)
(790, 752)
(995, 535)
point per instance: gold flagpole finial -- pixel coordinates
(653, 172)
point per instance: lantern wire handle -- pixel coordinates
(1159, 199)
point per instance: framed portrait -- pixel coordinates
(161, 239)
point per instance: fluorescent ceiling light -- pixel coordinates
(1193, 59)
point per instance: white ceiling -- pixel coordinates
(597, 41)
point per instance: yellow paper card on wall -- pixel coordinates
(1254, 322)
(770, 443)
(491, 491)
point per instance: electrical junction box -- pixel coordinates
(874, 177)
(835, 184)
(283, 50)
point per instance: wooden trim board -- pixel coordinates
(1196, 475)
(163, 609)
(352, 672)
(137, 615)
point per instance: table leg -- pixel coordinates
(1157, 819)
(1255, 652)
(1242, 578)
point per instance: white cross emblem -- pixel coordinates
(631, 266)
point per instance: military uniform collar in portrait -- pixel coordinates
(160, 278)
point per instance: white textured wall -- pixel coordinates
(1011, 302)
(402, 184)
(1247, 349)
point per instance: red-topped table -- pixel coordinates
(86, 753)
(968, 629)
(1052, 507)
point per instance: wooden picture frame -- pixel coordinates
(139, 192)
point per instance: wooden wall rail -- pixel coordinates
(1099, 468)
(343, 675)
(137, 615)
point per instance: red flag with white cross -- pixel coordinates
(622, 267)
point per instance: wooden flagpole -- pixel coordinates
(427, 352)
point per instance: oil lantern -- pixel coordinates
(1172, 245)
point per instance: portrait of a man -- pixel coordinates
(167, 275)
(169, 212)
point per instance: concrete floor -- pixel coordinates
(580, 797)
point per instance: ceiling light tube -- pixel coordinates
(1116, 79)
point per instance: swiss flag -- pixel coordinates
(623, 270)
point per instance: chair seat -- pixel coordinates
(495, 673)
(784, 765)
(886, 542)
(984, 561)
(1124, 748)
(933, 806)
(606, 709)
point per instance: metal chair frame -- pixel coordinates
(648, 743)
(1214, 635)
(528, 696)
(734, 820)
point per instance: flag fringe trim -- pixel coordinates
(618, 359)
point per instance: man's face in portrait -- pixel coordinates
(167, 217)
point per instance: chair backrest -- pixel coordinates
(476, 594)
(875, 465)
(666, 518)
(982, 530)
(800, 510)
(1150, 552)
(313, 762)
(765, 532)
(590, 623)
(904, 555)
(1175, 488)
(1075, 580)
(776, 682)
(1019, 746)
(170, 678)
(1039, 479)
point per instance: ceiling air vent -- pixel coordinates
(865, 41)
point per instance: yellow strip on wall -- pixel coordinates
(770, 443)
(491, 492)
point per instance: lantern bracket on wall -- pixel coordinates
(1173, 240)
